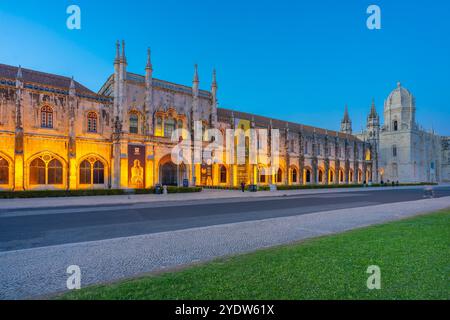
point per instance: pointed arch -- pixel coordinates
(46, 170)
(6, 170)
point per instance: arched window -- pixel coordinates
(394, 150)
(159, 126)
(85, 172)
(395, 125)
(320, 176)
(54, 172)
(351, 176)
(279, 176)
(92, 122)
(169, 127)
(4, 171)
(308, 176)
(37, 171)
(262, 175)
(92, 172)
(223, 174)
(99, 173)
(331, 179)
(134, 123)
(341, 176)
(294, 175)
(46, 117)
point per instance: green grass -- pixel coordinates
(413, 255)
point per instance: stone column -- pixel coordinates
(19, 145)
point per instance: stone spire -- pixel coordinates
(149, 94)
(195, 80)
(124, 57)
(214, 100)
(195, 101)
(346, 123)
(373, 111)
(19, 73)
(149, 60)
(117, 59)
(72, 90)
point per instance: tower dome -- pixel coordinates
(400, 109)
(400, 97)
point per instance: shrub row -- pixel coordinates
(260, 188)
(81, 193)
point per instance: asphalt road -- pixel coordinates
(22, 229)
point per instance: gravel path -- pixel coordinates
(36, 272)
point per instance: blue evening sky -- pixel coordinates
(294, 60)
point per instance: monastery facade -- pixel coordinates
(57, 134)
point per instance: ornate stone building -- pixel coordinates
(445, 172)
(406, 152)
(57, 134)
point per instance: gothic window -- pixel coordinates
(331, 176)
(54, 172)
(306, 147)
(294, 175)
(341, 176)
(262, 178)
(351, 176)
(223, 174)
(134, 123)
(4, 171)
(169, 127)
(395, 125)
(320, 176)
(279, 176)
(37, 171)
(308, 176)
(99, 173)
(46, 117)
(92, 122)
(92, 172)
(159, 125)
(394, 150)
(85, 172)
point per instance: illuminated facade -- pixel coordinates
(57, 134)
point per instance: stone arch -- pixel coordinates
(307, 175)
(171, 174)
(294, 176)
(92, 159)
(47, 157)
(360, 176)
(331, 175)
(341, 175)
(223, 174)
(321, 175)
(6, 178)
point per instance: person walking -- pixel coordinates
(243, 186)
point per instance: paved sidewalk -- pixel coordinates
(206, 194)
(36, 272)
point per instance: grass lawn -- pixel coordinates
(413, 254)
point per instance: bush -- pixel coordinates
(90, 192)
